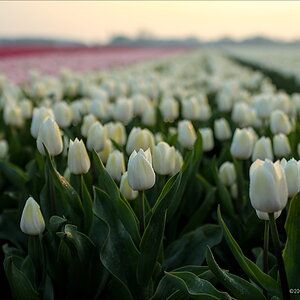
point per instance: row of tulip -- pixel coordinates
(111, 183)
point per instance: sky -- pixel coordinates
(97, 21)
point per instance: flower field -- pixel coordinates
(170, 178)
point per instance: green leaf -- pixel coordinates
(80, 241)
(64, 204)
(154, 232)
(165, 288)
(195, 287)
(10, 228)
(120, 206)
(202, 212)
(190, 248)
(87, 204)
(21, 287)
(13, 173)
(291, 251)
(249, 267)
(56, 223)
(119, 254)
(239, 287)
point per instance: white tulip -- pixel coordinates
(227, 173)
(32, 221)
(126, 190)
(139, 139)
(141, 175)
(268, 186)
(292, 173)
(96, 137)
(123, 110)
(88, 121)
(280, 123)
(116, 132)
(49, 135)
(78, 159)
(26, 108)
(63, 114)
(281, 145)
(115, 165)
(108, 148)
(170, 109)
(222, 129)
(242, 144)
(163, 158)
(186, 134)
(262, 149)
(207, 139)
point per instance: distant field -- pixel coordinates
(15, 62)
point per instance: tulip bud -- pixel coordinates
(265, 216)
(76, 107)
(126, 190)
(116, 132)
(281, 145)
(268, 186)
(178, 163)
(39, 115)
(224, 102)
(88, 121)
(96, 137)
(141, 175)
(63, 114)
(149, 116)
(163, 158)
(262, 149)
(227, 173)
(26, 108)
(280, 122)
(78, 159)
(108, 148)
(186, 134)
(240, 113)
(191, 109)
(169, 109)
(49, 135)
(100, 109)
(139, 139)
(115, 165)
(13, 115)
(242, 144)
(123, 110)
(222, 129)
(32, 221)
(292, 173)
(282, 102)
(205, 112)
(140, 104)
(3, 148)
(263, 106)
(207, 139)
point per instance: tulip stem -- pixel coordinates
(266, 247)
(142, 211)
(43, 258)
(277, 249)
(240, 183)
